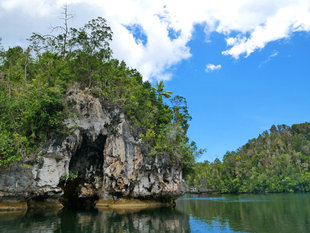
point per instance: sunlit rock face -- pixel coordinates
(99, 158)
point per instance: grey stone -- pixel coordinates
(103, 152)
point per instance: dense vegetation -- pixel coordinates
(34, 82)
(276, 161)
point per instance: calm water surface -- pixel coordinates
(194, 213)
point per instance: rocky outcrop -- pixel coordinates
(99, 159)
(200, 188)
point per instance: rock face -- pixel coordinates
(201, 188)
(99, 159)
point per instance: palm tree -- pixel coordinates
(159, 89)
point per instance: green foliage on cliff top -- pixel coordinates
(277, 161)
(34, 82)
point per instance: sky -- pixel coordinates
(242, 65)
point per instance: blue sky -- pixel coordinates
(246, 96)
(257, 54)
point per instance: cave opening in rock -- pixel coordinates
(85, 174)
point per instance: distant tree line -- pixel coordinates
(277, 161)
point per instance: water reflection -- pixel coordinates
(159, 220)
(251, 213)
(221, 214)
(35, 223)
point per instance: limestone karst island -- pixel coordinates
(88, 144)
(81, 129)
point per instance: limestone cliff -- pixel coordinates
(100, 153)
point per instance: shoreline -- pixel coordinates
(100, 205)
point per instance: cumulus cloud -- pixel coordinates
(212, 67)
(166, 26)
(280, 25)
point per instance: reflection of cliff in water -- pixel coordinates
(251, 212)
(39, 222)
(159, 220)
(156, 220)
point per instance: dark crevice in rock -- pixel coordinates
(86, 168)
(88, 159)
(71, 198)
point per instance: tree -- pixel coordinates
(92, 39)
(160, 91)
(180, 112)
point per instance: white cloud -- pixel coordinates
(274, 54)
(248, 25)
(271, 56)
(278, 26)
(212, 67)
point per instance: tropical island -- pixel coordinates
(79, 128)
(104, 106)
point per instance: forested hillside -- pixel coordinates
(277, 161)
(34, 82)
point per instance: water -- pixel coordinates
(194, 213)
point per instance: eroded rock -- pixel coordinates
(100, 158)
